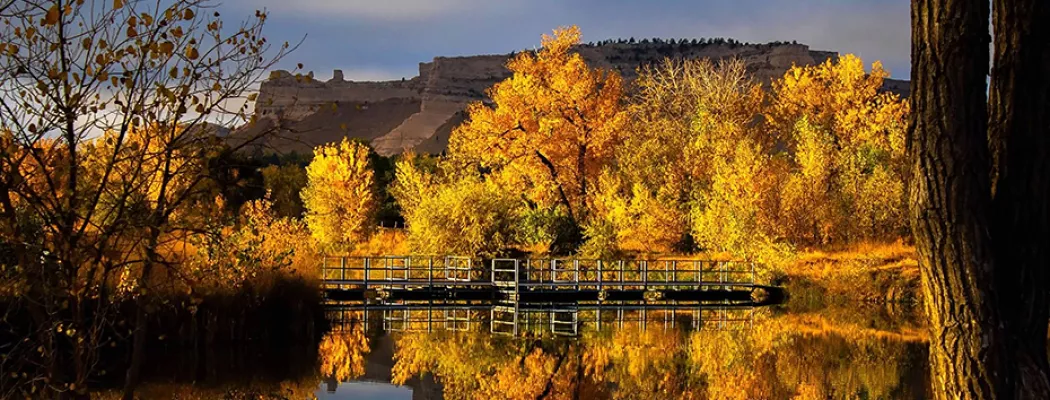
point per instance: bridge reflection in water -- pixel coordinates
(539, 319)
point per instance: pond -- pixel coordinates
(627, 350)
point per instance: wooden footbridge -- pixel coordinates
(413, 278)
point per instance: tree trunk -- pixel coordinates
(138, 341)
(138, 347)
(980, 209)
(951, 196)
(1018, 137)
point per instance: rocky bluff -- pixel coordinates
(419, 113)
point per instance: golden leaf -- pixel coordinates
(52, 15)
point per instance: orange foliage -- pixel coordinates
(552, 126)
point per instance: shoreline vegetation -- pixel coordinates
(112, 242)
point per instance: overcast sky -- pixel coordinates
(386, 39)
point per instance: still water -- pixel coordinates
(625, 351)
(622, 351)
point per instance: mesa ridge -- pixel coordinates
(419, 113)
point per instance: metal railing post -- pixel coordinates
(576, 272)
(645, 274)
(368, 262)
(699, 272)
(722, 278)
(752, 273)
(621, 274)
(553, 266)
(599, 276)
(674, 271)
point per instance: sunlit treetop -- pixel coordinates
(843, 98)
(552, 124)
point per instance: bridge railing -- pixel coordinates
(377, 270)
(550, 272)
(622, 273)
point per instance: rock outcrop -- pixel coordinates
(446, 85)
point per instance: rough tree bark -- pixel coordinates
(1019, 137)
(979, 194)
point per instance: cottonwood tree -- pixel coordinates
(551, 125)
(688, 119)
(339, 196)
(979, 196)
(103, 111)
(846, 139)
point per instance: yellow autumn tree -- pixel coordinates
(735, 214)
(551, 127)
(689, 120)
(686, 115)
(454, 213)
(256, 244)
(339, 196)
(73, 69)
(846, 137)
(636, 219)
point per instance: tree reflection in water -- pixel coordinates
(342, 353)
(831, 354)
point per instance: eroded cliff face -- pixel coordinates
(446, 85)
(296, 97)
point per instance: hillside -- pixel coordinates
(419, 113)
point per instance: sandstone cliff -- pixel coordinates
(418, 113)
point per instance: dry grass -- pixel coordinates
(865, 271)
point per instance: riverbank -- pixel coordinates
(878, 273)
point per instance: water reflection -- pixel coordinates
(628, 351)
(365, 391)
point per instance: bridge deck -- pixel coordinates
(426, 277)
